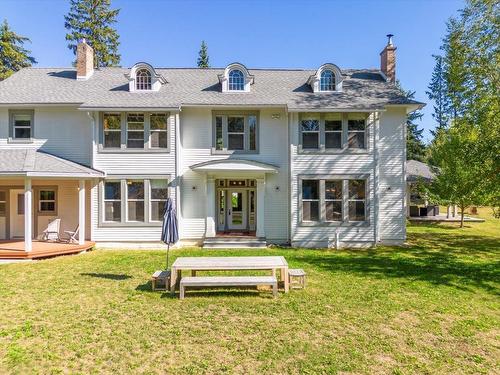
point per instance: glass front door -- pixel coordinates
(237, 209)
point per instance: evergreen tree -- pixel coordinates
(438, 92)
(92, 20)
(13, 56)
(415, 147)
(203, 60)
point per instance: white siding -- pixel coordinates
(61, 131)
(196, 144)
(330, 164)
(131, 165)
(392, 151)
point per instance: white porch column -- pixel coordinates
(261, 196)
(454, 210)
(28, 225)
(210, 230)
(81, 212)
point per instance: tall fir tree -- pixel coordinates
(415, 146)
(438, 92)
(13, 55)
(92, 20)
(203, 59)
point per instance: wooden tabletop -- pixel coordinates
(230, 263)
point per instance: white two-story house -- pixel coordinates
(314, 158)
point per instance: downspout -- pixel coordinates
(289, 177)
(91, 116)
(376, 177)
(178, 163)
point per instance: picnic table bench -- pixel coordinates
(220, 281)
(193, 264)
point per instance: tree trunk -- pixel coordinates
(462, 208)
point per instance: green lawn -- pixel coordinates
(431, 307)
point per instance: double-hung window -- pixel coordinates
(333, 200)
(159, 195)
(3, 203)
(235, 132)
(135, 130)
(310, 133)
(111, 123)
(158, 135)
(332, 132)
(47, 201)
(357, 200)
(112, 201)
(310, 200)
(135, 200)
(356, 129)
(21, 125)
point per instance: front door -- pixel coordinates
(237, 209)
(17, 213)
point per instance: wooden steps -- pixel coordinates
(234, 242)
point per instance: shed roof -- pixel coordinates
(36, 163)
(416, 169)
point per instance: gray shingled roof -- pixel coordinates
(108, 88)
(36, 163)
(416, 169)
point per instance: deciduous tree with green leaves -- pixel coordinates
(203, 59)
(92, 20)
(13, 55)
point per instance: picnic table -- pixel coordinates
(193, 264)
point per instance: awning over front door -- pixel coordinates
(235, 165)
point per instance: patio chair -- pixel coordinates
(72, 236)
(51, 233)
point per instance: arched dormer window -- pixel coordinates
(143, 77)
(236, 78)
(143, 80)
(328, 78)
(327, 81)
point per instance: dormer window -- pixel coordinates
(143, 80)
(328, 78)
(236, 80)
(143, 77)
(327, 81)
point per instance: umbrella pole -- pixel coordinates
(168, 249)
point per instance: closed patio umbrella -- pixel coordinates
(169, 233)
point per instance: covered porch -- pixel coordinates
(37, 188)
(236, 192)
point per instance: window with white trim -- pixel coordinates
(235, 132)
(333, 130)
(327, 81)
(112, 130)
(21, 124)
(158, 134)
(3, 203)
(135, 200)
(310, 133)
(112, 201)
(236, 80)
(333, 200)
(357, 200)
(135, 130)
(143, 79)
(47, 201)
(159, 195)
(356, 131)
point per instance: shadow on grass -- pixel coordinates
(109, 276)
(463, 262)
(214, 293)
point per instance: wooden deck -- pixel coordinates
(14, 249)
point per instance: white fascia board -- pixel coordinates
(131, 109)
(347, 110)
(31, 105)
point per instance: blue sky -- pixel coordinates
(259, 34)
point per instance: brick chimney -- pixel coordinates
(84, 61)
(388, 60)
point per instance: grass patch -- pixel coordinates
(429, 307)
